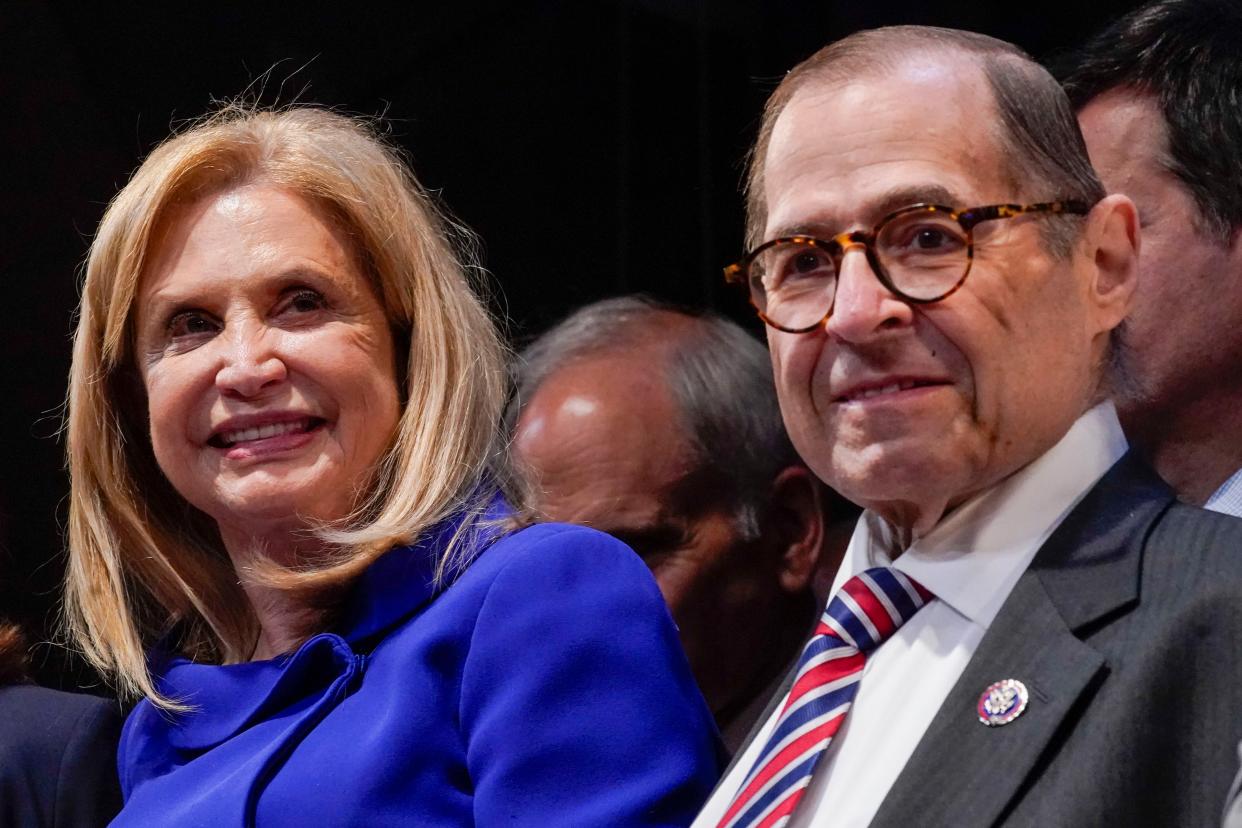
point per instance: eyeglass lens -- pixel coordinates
(923, 255)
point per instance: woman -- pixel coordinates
(282, 440)
(56, 749)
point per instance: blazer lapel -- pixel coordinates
(966, 773)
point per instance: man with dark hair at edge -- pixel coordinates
(1159, 98)
(1027, 627)
(1157, 94)
(660, 426)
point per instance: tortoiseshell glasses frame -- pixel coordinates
(921, 253)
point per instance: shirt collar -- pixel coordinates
(1228, 498)
(974, 556)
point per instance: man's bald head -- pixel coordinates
(1034, 125)
(661, 427)
(718, 377)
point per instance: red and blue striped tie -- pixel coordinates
(862, 615)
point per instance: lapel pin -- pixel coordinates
(1002, 702)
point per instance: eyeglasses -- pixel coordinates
(921, 253)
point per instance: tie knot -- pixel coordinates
(872, 605)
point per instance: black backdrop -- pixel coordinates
(595, 146)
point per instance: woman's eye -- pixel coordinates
(305, 301)
(190, 324)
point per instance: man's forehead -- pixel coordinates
(942, 83)
(828, 223)
(1125, 128)
(913, 131)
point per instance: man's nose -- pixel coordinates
(250, 363)
(863, 306)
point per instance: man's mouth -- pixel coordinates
(230, 438)
(869, 391)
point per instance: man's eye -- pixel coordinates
(190, 324)
(930, 239)
(795, 263)
(923, 238)
(808, 261)
(652, 545)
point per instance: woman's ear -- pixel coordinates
(1113, 240)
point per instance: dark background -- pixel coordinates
(595, 146)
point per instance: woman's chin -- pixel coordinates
(286, 513)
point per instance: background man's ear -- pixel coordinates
(1113, 240)
(796, 520)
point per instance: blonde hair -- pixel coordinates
(144, 564)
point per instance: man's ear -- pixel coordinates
(796, 520)
(1113, 241)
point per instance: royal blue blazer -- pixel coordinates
(544, 687)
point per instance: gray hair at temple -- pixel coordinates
(719, 376)
(1041, 145)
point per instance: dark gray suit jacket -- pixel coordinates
(57, 759)
(1127, 630)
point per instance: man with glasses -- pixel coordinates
(1026, 628)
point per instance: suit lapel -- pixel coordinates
(965, 773)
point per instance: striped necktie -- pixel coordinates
(866, 610)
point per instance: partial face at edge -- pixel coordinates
(1183, 334)
(267, 361)
(911, 409)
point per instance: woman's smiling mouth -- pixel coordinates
(249, 436)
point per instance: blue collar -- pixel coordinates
(229, 698)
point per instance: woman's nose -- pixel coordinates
(250, 364)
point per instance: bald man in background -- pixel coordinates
(661, 427)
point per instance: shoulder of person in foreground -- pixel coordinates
(1198, 553)
(57, 758)
(577, 701)
(1188, 651)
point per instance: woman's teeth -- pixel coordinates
(262, 432)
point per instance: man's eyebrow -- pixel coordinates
(889, 201)
(900, 197)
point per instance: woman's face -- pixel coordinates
(267, 361)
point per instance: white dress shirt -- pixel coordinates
(970, 561)
(1228, 498)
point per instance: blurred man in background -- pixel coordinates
(661, 427)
